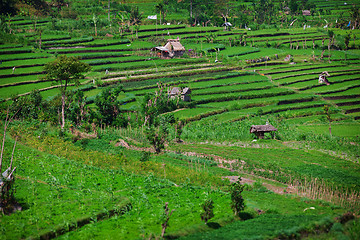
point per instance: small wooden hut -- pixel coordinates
(260, 130)
(173, 48)
(306, 13)
(184, 94)
(323, 78)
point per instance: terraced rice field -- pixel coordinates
(258, 81)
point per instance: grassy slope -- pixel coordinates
(74, 184)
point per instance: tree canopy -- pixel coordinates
(63, 71)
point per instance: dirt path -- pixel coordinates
(225, 164)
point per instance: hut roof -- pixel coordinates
(306, 12)
(325, 73)
(174, 44)
(186, 91)
(175, 91)
(262, 128)
(162, 49)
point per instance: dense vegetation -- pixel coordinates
(102, 151)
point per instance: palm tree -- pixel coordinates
(331, 39)
(161, 9)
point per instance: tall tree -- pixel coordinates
(293, 5)
(64, 71)
(135, 16)
(355, 16)
(160, 8)
(264, 11)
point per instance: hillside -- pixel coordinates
(111, 155)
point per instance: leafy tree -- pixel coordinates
(8, 7)
(208, 210)
(157, 133)
(156, 104)
(135, 16)
(64, 71)
(108, 104)
(237, 201)
(293, 5)
(58, 4)
(158, 125)
(123, 21)
(79, 112)
(264, 11)
(30, 106)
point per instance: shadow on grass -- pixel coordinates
(245, 216)
(213, 225)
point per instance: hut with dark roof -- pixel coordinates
(260, 130)
(184, 93)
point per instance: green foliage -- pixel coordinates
(157, 134)
(65, 70)
(208, 210)
(8, 7)
(237, 200)
(145, 156)
(108, 106)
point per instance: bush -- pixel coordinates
(145, 156)
(208, 213)
(237, 201)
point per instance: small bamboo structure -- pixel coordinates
(7, 201)
(260, 130)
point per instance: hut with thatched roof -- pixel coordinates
(260, 130)
(306, 13)
(173, 48)
(323, 78)
(184, 93)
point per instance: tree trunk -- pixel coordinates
(109, 10)
(191, 14)
(63, 110)
(329, 47)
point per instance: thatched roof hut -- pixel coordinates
(173, 48)
(306, 13)
(323, 79)
(184, 93)
(260, 130)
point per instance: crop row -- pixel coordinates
(199, 82)
(246, 95)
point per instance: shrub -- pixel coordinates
(237, 201)
(208, 213)
(145, 156)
